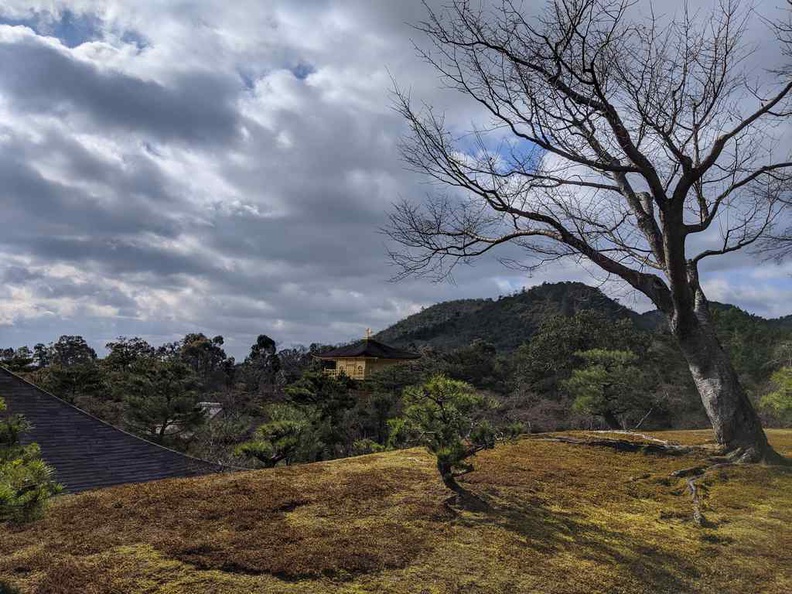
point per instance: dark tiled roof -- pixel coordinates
(88, 453)
(368, 347)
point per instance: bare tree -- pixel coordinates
(778, 243)
(639, 143)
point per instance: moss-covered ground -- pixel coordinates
(559, 518)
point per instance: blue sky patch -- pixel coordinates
(302, 70)
(70, 28)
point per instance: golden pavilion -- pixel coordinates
(361, 359)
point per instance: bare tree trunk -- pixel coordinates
(735, 422)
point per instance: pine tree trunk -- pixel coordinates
(447, 474)
(735, 422)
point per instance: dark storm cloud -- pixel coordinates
(35, 206)
(196, 107)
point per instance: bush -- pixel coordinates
(26, 482)
(610, 385)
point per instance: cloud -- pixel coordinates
(167, 167)
(41, 76)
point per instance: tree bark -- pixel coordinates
(735, 422)
(447, 474)
(611, 421)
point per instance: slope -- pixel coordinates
(555, 522)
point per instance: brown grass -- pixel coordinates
(559, 518)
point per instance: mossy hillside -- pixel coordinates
(559, 518)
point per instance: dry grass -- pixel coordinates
(560, 518)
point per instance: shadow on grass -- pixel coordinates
(551, 533)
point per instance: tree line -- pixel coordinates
(278, 407)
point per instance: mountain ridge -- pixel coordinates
(509, 321)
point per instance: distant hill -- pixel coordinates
(506, 322)
(785, 322)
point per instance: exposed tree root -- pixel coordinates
(692, 477)
(698, 516)
(751, 455)
(643, 436)
(695, 474)
(624, 445)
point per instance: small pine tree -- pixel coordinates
(160, 401)
(26, 482)
(288, 433)
(448, 417)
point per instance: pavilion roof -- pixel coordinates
(368, 347)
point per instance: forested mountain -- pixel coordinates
(509, 321)
(506, 322)
(785, 322)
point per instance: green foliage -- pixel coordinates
(751, 342)
(477, 364)
(608, 384)
(323, 418)
(26, 482)
(160, 399)
(206, 357)
(293, 363)
(505, 323)
(16, 360)
(69, 369)
(71, 351)
(218, 438)
(262, 365)
(552, 353)
(124, 352)
(366, 446)
(779, 401)
(448, 417)
(11, 429)
(331, 403)
(289, 433)
(153, 391)
(75, 383)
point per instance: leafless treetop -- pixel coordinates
(614, 136)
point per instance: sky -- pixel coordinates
(227, 167)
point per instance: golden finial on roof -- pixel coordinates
(368, 333)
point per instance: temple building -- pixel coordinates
(363, 358)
